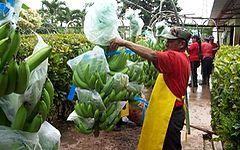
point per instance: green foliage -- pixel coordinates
(225, 101)
(65, 47)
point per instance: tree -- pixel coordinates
(50, 10)
(150, 8)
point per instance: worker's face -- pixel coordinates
(194, 40)
(177, 44)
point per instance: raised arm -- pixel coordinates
(142, 51)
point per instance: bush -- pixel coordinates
(225, 101)
(65, 47)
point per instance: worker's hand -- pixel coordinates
(115, 43)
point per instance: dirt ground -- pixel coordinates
(127, 137)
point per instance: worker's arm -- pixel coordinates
(142, 51)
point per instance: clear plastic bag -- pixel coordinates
(120, 81)
(18, 140)
(92, 96)
(135, 87)
(11, 103)
(47, 138)
(95, 58)
(136, 23)
(101, 22)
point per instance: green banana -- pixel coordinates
(112, 125)
(12, 76)
(46, 99)
(101, 84)
(92, 81)
(3, 83)
(50, 89)
(109, 128)
(4, 46)
(111, 109)
(5, 30)
(108, 86)
(112, 95)
(106, 100)
(90, 110)
(121, 95)
(78, 82)
(37, 58)
(35, 125)
(81, 71)
(96, 115)
(103, 116)
(3, 119)
(20, 118)
(33, 113)
(103, 77)
(22, 77)
(87, 74)
(42, 109)
(98, 86)
(13, 48)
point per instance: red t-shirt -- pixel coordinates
(206, 50)
(193, 52)
(175, 67)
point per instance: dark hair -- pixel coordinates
(195, 37)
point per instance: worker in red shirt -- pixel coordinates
(215, 46)
(164, 118)
(207, 61)
(193, 51)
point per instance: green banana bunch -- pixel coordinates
(23, 75)
(37, 58)
(20, 118)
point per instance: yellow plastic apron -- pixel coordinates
(157, 116)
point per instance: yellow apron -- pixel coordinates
(157, 116)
